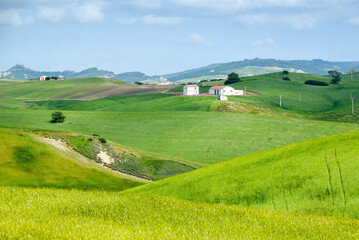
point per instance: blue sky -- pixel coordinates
(165, 36)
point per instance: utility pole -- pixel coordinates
(280, 101)
(352, 105)
(245, 91)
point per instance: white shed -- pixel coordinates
(43, 78)
(224, 90)
(190, 90)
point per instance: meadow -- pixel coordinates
(28, 162)
(316, 176)
(191, 137)
(74, 214)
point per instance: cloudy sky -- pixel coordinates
(164, 36)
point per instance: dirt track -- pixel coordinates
(114, 90)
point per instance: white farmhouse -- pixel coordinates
(43, 78)
(224, 90)
(190, 90)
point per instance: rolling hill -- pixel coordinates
(29, 161)
(317, 176)
(246, 67)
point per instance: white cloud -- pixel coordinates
(263, 43)
(50, 14)
(148, 3)
(88, 12)
(234, 5)
(14, 17)
(296, 21)
(199, 39)
(151, 19)
(354, 21)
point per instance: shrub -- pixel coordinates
(317, 83)
(232, 78)
(57, 117)
(102, 140)
(286, 78)
(95, 135)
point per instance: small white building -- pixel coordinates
(225, 90)
(190, 90)
(43, 78)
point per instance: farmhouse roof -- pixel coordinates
(217, 87)
(191, 85)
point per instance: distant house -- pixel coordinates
(43, 78)
(190, 90)
(224, 90)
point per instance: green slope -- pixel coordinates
(72, 214)
(152, 102)
(293, 177)
(202, 137)
(50, 89)
(25, 161)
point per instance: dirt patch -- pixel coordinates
(123, 89)
(105, 158)
(75, 92)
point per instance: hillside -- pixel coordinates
(82, 89)
(74, 214)
(246, 67)
(183, 136)
(262, 66)
(30, 161)
(305, 176)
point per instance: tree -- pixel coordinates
(57, 117)
(285, 75)
(335, 76)
(232, 78)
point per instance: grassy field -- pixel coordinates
(50, 89)
(202, 137)
(305, 176)
(152, 102)
(73, 214)
(25, 161)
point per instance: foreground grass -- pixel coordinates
(73, 214)
(25, 161)
(202, 137)
(304, 176)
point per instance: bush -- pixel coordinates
(102, 140)
(286, 78)
(95, 135)
(232, 78)
(57, 117)
(317, 83)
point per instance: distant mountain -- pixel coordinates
(19, 71)
(247, 67)
(258, 66)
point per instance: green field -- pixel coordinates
(47, 90)
(201, 137)
(293, 177)
(152, 102)
(26, 161)
(269, 190)
(73, 214)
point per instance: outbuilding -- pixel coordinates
(190, 90)
(43, 78)
(225, 90)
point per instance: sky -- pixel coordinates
(165, 36)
